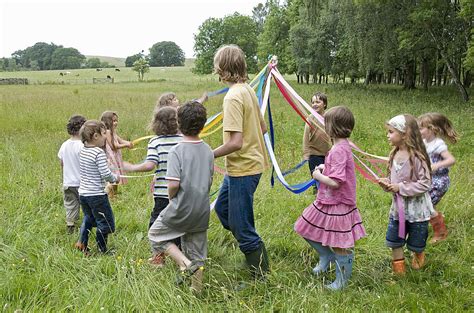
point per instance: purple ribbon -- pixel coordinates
(401, 214)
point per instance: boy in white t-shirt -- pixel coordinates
(69, 156)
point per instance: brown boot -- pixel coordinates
(398, 267)
(439, 228)
(418, 260)
(196, 281)
(83, 248)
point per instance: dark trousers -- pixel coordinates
(313, 162)
(97, 213)
(234, 207)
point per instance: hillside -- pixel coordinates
(118, 62)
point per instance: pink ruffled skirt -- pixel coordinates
(337, 226)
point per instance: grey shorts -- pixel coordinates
(71, 204)
(194, 245)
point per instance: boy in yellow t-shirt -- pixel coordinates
(245, 157)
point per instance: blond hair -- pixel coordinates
(440, 125)
(414, 144)
(230, 65)
(89, 128)
(339, 122)
(165, 99)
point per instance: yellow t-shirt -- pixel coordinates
(242, 114)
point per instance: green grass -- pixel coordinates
(41, 272)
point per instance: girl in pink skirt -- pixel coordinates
(332, 223)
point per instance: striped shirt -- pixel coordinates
(158, 148)
(94, 172)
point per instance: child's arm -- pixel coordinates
(414, 188)
(141, 167)
(123, 143)
(104, 170)
(448, 160)
(173, 187)
(325, 179)
(234, 144)
(203, 98)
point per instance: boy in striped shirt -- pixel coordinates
(94, 173)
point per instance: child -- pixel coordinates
(316, 143)
(113, 146)
(94, 174)
(69, 156)
(332, 224)
(410, 181)
(244, 151)
(189, 175)
(165, 126)
(434, 127)
(167, 99)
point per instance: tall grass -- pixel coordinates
(41, 272)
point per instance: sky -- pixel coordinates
(116, 28)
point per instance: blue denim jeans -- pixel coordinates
(415, 238)
(234, 207)
(97, 213)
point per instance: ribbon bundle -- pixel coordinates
(367, 164)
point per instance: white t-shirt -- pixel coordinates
(69, 155)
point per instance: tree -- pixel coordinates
(166, 53)
(66, 58)
(275, 39)
(259, 14)
(40, 52)
(235, 29)
(93, 63)
(131, 59)
(141, 66)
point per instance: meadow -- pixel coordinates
(42, 272)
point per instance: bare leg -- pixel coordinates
(178, 256)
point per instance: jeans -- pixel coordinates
(97, 213)
(417, 234)
(234, 208)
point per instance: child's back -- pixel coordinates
(192, 163)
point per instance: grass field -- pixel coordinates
(42, 272)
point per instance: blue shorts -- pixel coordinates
(415, 236)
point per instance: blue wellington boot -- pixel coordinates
(326, 256)
(343, 271)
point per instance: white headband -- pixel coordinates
(398, 122)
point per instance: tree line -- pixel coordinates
(403, 42)
(44, 56)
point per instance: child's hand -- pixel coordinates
(317, 174)
(434, 167)
(384, 183)
(130, 145)
(393, 188)
(203, 98)
(321, 167)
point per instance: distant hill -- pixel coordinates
(118, 62)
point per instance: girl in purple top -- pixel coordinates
(332, 223)
(409, 183)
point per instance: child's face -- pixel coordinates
(98, 140)
(175, 102)
(317, 104)
(114, 121)
(426, 133)
(394, 136)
